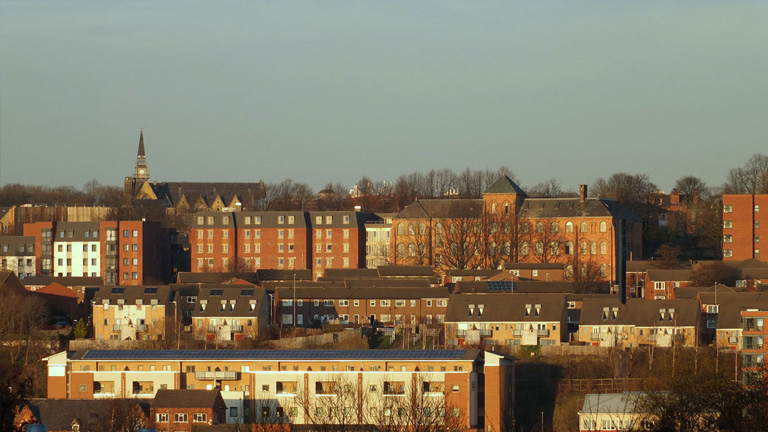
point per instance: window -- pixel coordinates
(727, 253)
(233, 411)
(539, 227)
(180, 418)
(200, 417)
(394, 387)
(757, 224)
(603, 248)
(727, 208)
(757, 208)
(329, 219)
(161, 417)
(727, 238)
(384, 303)
(328, 233)
(727, 224)
(325, 387)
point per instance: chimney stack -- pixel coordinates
(582, 192)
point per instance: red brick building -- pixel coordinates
(183, 410)
(279, 240)
(743, 227)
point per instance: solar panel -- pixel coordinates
(273, 354)
(150, 290)
(500, 286)
(246, 292)
(217, 292)
(117, 290)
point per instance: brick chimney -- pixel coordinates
(582, 192)
(674, 197)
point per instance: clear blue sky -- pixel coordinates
(332, 91)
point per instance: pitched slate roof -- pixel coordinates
(611, 403)
(269, 354)
(214, 277)
(499, 307)
(675, 275)
(504, 185)
(130, 294)
(283, 275)
(362, 293)
(442, 209)
(472, 272)
(173, 191)
(194, 398)
(533, 266)
(59, 414)
(388, 283)
(350, 273)
(392, 270)
(70, 281)
(640, 312)
(574, 207)
(732, 303)
(233, 301)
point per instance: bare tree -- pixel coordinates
(690, 186)
(417, 406)
(752, 178)
(549, 188)
(335, 404)
(459, 241)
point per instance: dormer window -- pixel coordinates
(471, 309)
(527, 310)
(606, 312)
(671, 314)
(121, 301)
(662, 313)
(538, 309)
(153, 302)
(480, 310)
(232, 305)
(251, 305)
(614, 313)
(139, 302)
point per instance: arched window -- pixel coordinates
(569, 271)
(603, 248)
(525, 249)
(593, 248)
(539, 227)
(554, 248)
(476, 228)
(400, 228)
(493, 208)
(569, 227)
(554, 227)
(439, 234)
(492, 248)
(507, 248)
(494, 227)
(583, 227)
(452, 228)
(583, 270)
(401, 250)
(603, 270)
(569, 248)
(412, 250)
(583, 248)
(422, 228)
(592, 227)
(505, 227)
(603, 227)
(525, 227)
(539, 248)
(411, 229)
(506, 208)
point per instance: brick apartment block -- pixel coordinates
(279, 240)
(120, 252)
(744, 225)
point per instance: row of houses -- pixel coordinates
(466, 388)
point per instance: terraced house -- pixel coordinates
(134, 312)
(506, 319)
(230, 312)
(663, 323)
(505, 225)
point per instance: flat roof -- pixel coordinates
(280, 355)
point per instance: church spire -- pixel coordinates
(141, 144)
(142, 172)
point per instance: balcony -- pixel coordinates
(217, 375)
(236, 328)
(542, 333)
(116, 327)
(486, 333)
(594, 336)
(461, 333)
(211, 329)
(141, 327)
(517, 333)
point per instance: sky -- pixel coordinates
(332, 91)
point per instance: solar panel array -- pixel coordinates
(150, 290)
(217, 292)
(274, 355)
(501, 286)
(117, 291)
(247, 292)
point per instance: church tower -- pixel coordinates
(142, 172)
